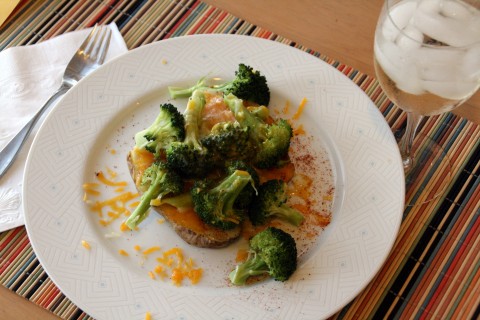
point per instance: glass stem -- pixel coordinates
(406, 143)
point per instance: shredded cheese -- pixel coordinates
(86, 245)
(300, 109)
(124, 227)
(151, 250)
(173, 261)
(101, 176)
(299, 130)
(111, 209)
(170, 264)
(286, 108)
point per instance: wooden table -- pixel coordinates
(337, 28)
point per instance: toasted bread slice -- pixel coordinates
(186, 224)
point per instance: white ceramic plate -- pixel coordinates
(103, 112)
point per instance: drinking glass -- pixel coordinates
(427, 60)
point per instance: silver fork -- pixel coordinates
(88, 57)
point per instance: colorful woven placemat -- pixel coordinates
(433, 269)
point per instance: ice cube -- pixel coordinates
(455, 9)
(431, 7)
(409, 81)
(437, 72)
(401, 13)
(399, 66)
(471, 64)
(410, 38)
(398, 17)
(453, 32)
(452, 90)
(441, 55)
(389, 30)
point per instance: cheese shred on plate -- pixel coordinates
(111, 209)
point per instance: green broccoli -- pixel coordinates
(157, 182)
(273, 252)
(180, 92)
(248, 84)
(249, 191)
(228, 140)
(261, 112)
(275, 146)
(189, 157)
(169, 126)
(214, 203)
(271, 203)
(272, 140)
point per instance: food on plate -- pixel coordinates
(214, 202)
(212, 164)
(272, 252)
(248, 84)
(157, 181)
(272, 139)
(221, 170)
(271, 203)
(169, 126)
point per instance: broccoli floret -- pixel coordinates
(249, 191)
(157, 182)
(169, 126)
(275, 146)
(273, 252)
(248, 84)
(228, 140)
(189, 157)
(272, 140)
(271, 203)
(214, 204)
(261, 112)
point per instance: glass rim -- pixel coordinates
(387, 6)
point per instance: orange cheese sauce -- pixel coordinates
(284, 173)
(188, 218)
(242, 255)
(215, 111)
(142, 159)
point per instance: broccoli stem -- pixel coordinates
(253, 266)
(245, 118)
(193, 116)
(288, 214)
(141, 211)
(177, 92)
(228, 191)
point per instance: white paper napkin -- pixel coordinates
(29, 76)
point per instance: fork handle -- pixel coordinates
(11, 150)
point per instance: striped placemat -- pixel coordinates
(432, 271)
